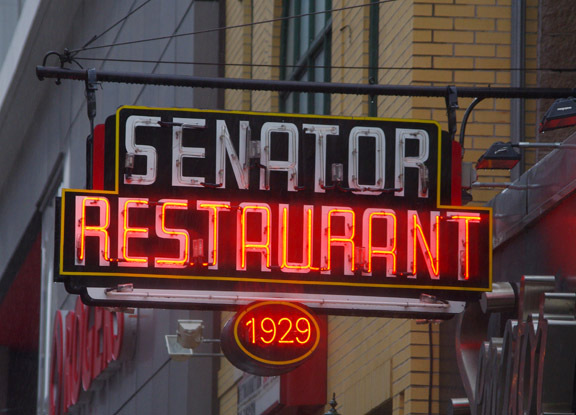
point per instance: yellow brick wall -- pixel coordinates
(252, 52)
(371, 360)
(238, 52)
(348, 51)
(395, 51)
(531, 130)
(264, 35)
(464, 43)
(467, 43)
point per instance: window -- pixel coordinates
(305, 54)
(385, 408)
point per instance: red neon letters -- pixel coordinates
(182, 236)
(87, 341)
(369, 240)
(128, 232)
(100, 230)
(283, 330)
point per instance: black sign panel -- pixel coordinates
(252, 202)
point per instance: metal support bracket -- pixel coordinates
(451, 107)
(90, 92)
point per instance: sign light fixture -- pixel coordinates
(562, 113)
(499, 156)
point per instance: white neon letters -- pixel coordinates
(133, 122)
(288, 136)
(321, 133)
(180, 152)
(290, 166)
(403, 161)
(354, 160)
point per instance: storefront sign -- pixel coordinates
(88, 343)
(225, 201)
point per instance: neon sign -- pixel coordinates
(270, 338)
(327, 241)
(220, 201)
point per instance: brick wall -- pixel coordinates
(467, 43)
(348, 51)
(372, 360)
(395, 41)
(238, 52)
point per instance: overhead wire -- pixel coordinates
(221, 28)
(175, 35)
(159, 60)
(96, 37)
(127, 401)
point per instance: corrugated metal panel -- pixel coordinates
(535, 192)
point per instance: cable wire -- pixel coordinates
(142, 386)
(264, 65)
(217, 29)
(159, 60)
(96, 37)
(431, 374)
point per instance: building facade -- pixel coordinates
(373, 366)
(44, 133)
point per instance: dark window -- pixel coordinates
(385, 408)
(306, 53)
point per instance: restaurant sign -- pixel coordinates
(274, 204)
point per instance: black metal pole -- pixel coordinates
(297, 86)
(91, 87)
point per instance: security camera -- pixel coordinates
(190, 333)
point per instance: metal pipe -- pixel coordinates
(465, 121)
(492, 184)
(459, 406)
(502, 298)
(527, 144)
(298, 86)
(517, 75)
